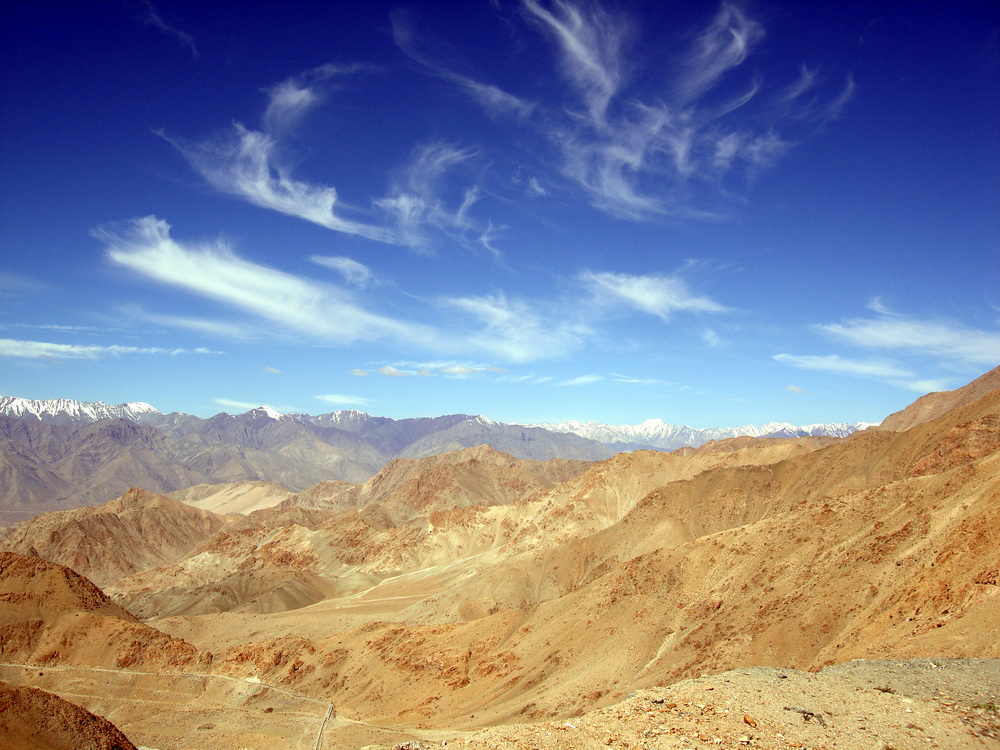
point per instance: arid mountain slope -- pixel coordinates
(55, 467)
(943, 703)
(480, 476)
(52, 615)
(477, 501)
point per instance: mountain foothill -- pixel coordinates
(348, 581)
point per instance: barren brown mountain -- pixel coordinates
(455, 593)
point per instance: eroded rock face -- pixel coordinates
(962, 445)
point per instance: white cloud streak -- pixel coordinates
(414, 206)
(12, 284)
(942, 339)
(289, 100)
(152, 18)
(354, 273)
(668, 149)
(494, 100)
(18, 349)
(242, 163)
(246, 163)
(581, 380)
(722, 46)
(841, 366)
(657, 295)
(213, 271)
(590, 43)
(516, 331)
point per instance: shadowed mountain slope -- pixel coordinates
(33, 719)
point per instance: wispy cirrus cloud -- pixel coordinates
(658, 295)
(394, 372)
(512, 330)
(925, 345)
(878, 369)
(13, 284)
(417, 212)
(354, 273)
(150, 17)
(620, 378)
(581, 380)
(214, 328)
(291, 99)
(243, 163)
(19, 349)
(942, 339)
(517, 331)
(440, 61)
(836, 364)
(214, 271)
(248, 164)
(644, 142)
(448, 369)
(721, 47)
(591, 43)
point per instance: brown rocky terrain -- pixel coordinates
(52, 615)
(459, 593)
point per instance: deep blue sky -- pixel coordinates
(714, 214)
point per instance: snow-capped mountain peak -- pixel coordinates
(68, 410)
(263, 412)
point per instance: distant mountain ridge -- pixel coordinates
(652, 433)
(61, 454)
(655, 433)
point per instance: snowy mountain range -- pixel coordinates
(655, 433)
(67, 411)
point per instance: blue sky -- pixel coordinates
(714, 214)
